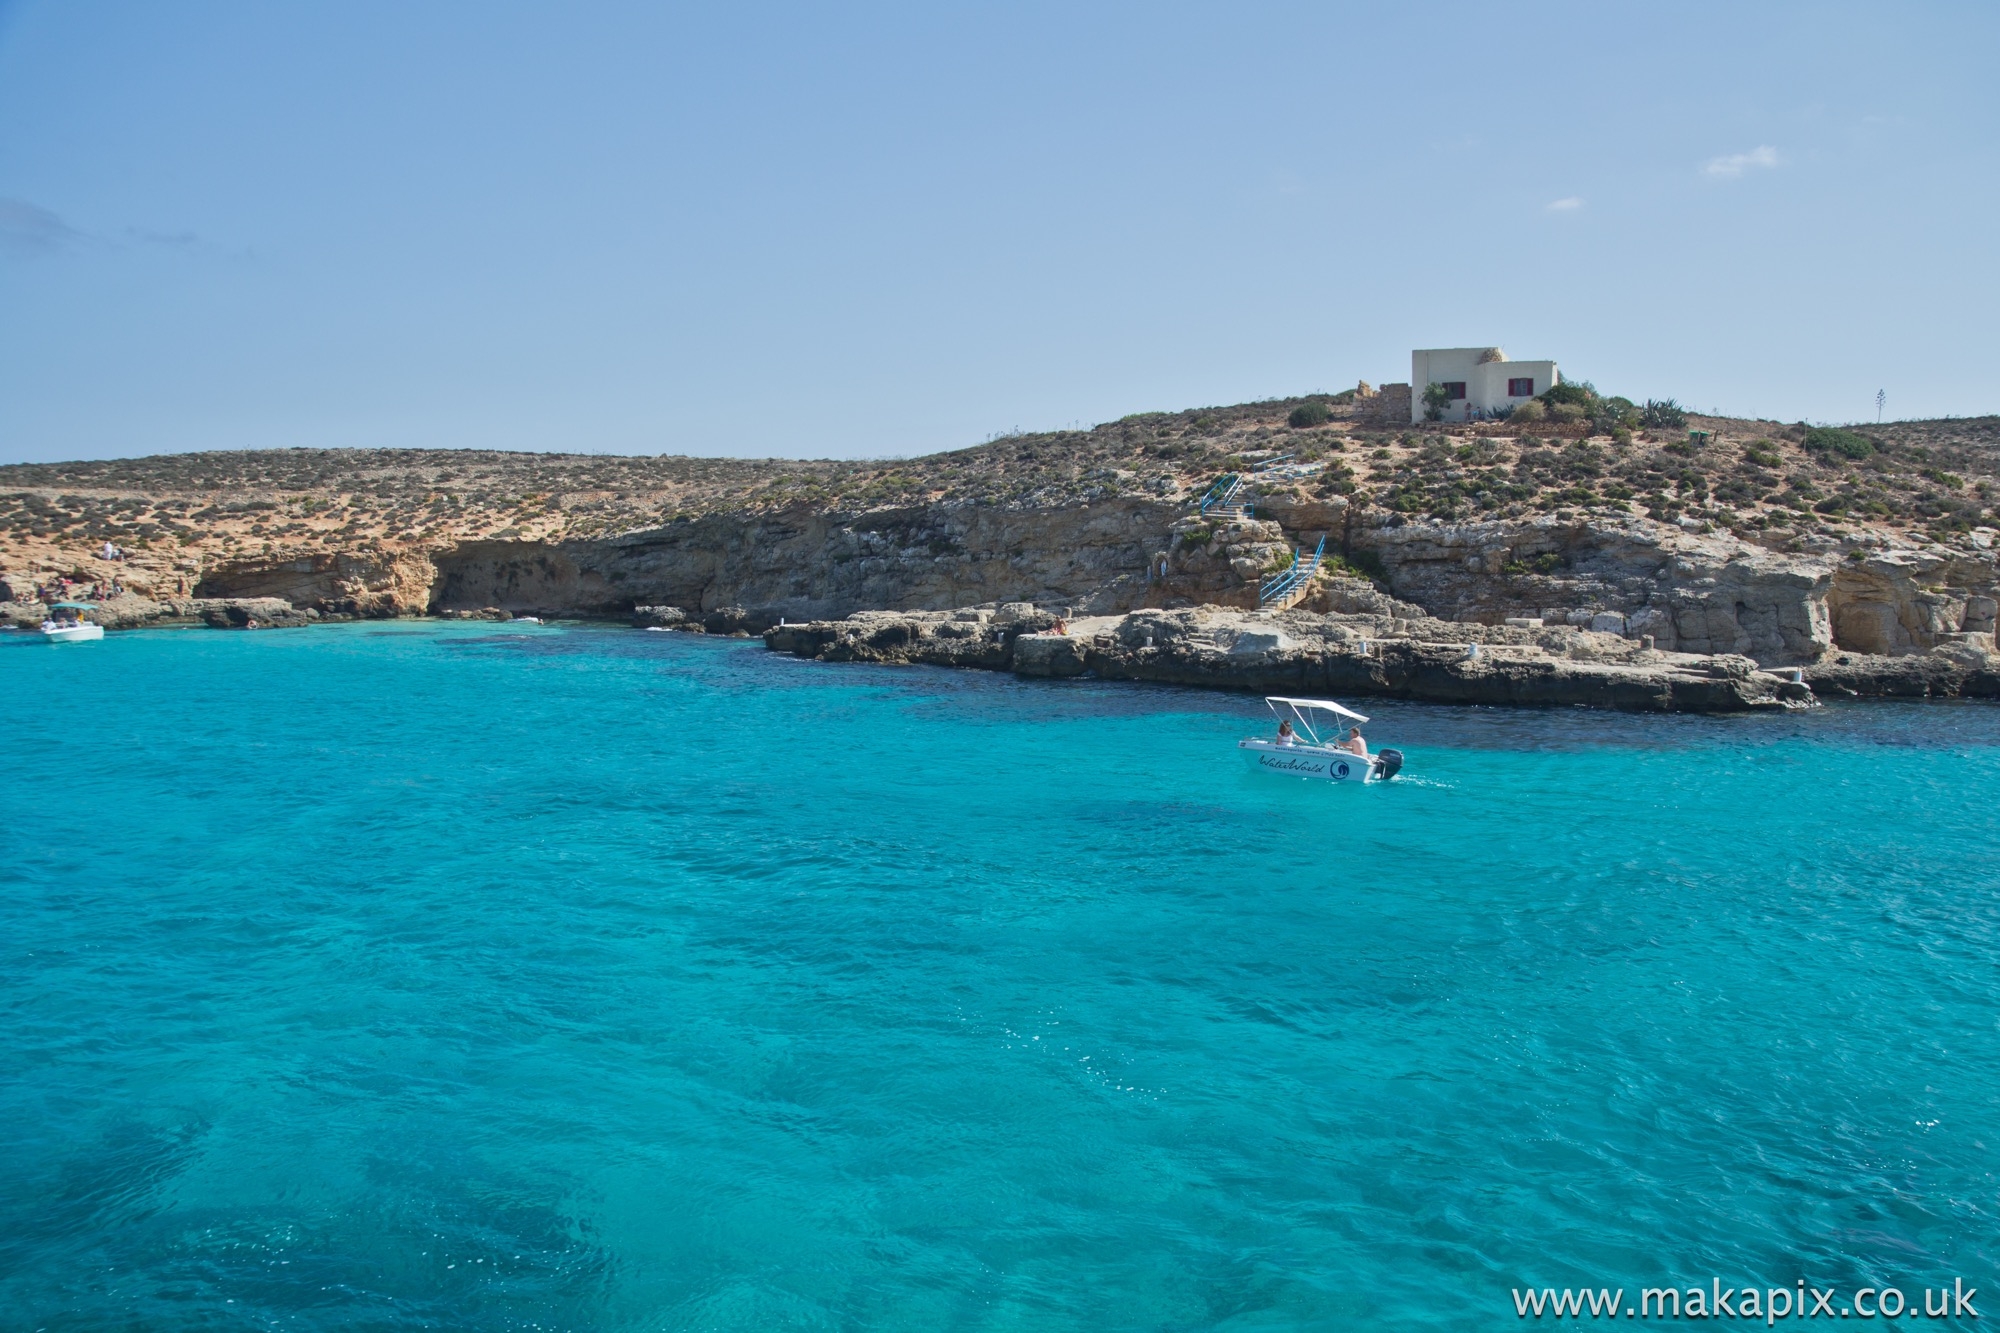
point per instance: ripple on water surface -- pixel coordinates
(439, 976)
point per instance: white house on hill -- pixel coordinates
(1480, 380)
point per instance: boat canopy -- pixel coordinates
(1304, 709)
(1324, 705)
(75, 606)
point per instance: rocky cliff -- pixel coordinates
(1689, 592)
(1714, 544)
(1306, 653)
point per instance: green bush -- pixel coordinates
(1359, 564)
(1846, 443)
(1546, 563)
(1436, 399)
(1305, 415)
(1575, 394)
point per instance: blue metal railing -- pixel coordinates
(1221, 497)
(1283, 583)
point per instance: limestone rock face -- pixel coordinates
(797, 563)
(1259, 642)
(352, 583)
(1215, 561)
(1687, 591)
(803, 564)
(1049, 655)
(134, 612)
(1957, 670)
(1903, 601)
(1299, 511)
(242, 613)
(1690, 592)
(1300, 652)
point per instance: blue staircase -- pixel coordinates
(1223, 499)
(1288, 586)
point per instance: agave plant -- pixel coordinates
(1662, 414)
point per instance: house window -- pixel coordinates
(1454, 389)
(1521, 388)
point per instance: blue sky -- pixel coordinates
(881, 230)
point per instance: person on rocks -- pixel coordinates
(1061, 626)
(1286, 736)
(1352, 743)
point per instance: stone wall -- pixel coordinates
(1387, 408)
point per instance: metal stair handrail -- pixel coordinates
(1221, 497)
(1279, 585)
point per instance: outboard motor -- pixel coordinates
(1388, 763)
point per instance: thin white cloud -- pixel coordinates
(1566, 204)
(1731, 165)
(30, 228)
(179, 240)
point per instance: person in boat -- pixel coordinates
(1352, 743)
(1286, 736)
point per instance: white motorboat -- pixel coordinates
(67, 625)
(1301, 750)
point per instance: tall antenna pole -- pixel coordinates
(1881, 397)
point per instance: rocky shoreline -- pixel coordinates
(134, 612)
(1381, 648)
(1360, 656)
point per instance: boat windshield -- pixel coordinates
(1305, 713)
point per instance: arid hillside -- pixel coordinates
(179, 516)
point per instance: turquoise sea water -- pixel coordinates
(439, 976)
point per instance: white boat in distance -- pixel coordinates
(1310, 755)
(70, 628)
